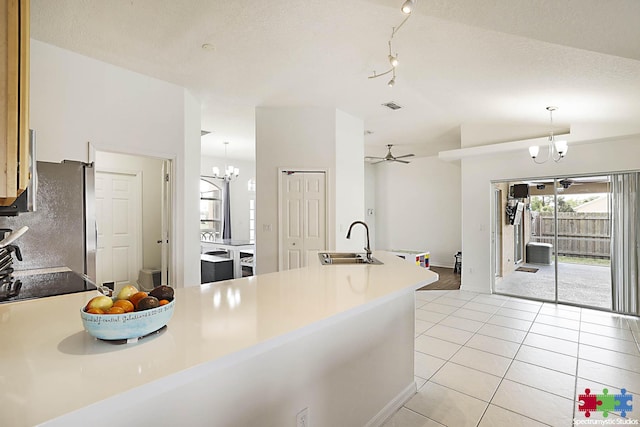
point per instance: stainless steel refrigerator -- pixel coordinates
(62, 229)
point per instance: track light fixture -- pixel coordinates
(393, 58)
(556, 149)
(393, 79)
(407, 6)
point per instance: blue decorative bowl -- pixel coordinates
(128, 325)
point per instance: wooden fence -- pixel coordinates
(580, 234)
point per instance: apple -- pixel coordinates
(101, 302)
(126, 292)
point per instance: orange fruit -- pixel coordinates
(126, 305)
(115, 310)
(163, 301)
(95, 311)
(137, 297)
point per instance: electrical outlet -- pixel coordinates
(302, 418)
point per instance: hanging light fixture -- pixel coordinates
(557, 149)
(407, 7)
(393, 79)
(230, 172)
(393, 58)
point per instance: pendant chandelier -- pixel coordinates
(230, 172)
(556, 149)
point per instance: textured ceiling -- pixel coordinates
(461, 61)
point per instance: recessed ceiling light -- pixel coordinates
(208, 46)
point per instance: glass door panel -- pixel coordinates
(539, 268)
(522, 236)
(584, 241)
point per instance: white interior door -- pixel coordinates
(118, 218)
(303, 216)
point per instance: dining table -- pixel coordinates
(233, 247)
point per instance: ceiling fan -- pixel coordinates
(390, 157)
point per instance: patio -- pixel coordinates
(582, 284)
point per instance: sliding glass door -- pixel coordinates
(566, 239)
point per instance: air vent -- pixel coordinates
(392, 105)
(204, 132)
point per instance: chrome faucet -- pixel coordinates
(368, 248)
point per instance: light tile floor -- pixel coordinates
(491, 361)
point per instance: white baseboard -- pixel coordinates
(391, 407)
(441, 264)
(471, 289)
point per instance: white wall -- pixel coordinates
(240, 195)
(370, 189)
(187, 185)
(151, 171)
(76, 100)
(621, 154)
(302, 137)
(417, 207)
(308, 138)
(349, 192)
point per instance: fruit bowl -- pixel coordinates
(135, 324)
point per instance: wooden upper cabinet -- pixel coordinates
(14, 99)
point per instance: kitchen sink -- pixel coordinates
(327, 258)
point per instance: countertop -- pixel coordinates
(51, 366)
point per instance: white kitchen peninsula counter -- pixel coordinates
(265, 344)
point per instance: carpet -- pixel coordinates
(527, 269)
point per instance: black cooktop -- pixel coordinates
(43, 285)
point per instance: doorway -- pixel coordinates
(134, 222)
(302, 216)
(566, 223)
